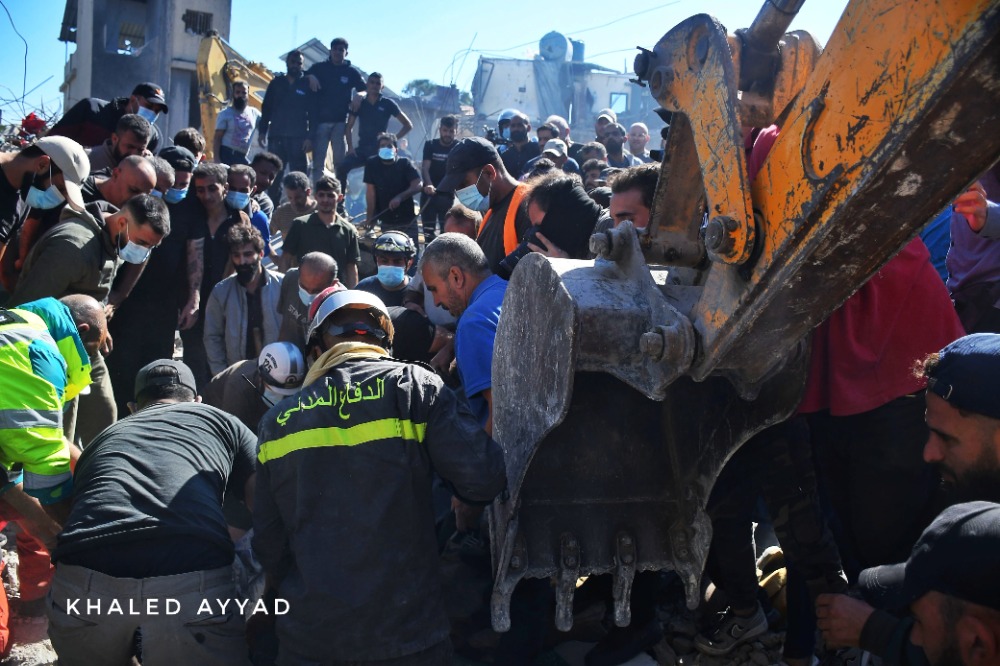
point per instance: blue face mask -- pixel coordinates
(238, 200)
(391, 276)
(148, 114)
(175, 195)
(156, 193)
(45, 199)
(132, 253)
(306, 297)
(471, 197)
(387, 153)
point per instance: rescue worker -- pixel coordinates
(44, 362)
(343, 519)
(249, 388)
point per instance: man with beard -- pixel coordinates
(90, 121)
(242, 314)
(335, 83)
(234, 127)
(614, 141)
(520, 150)
(963, 415)
(433, 206)
(285, 116)
(131, 137)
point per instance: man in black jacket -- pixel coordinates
(91, 121)
(285, 116)
(343, 518)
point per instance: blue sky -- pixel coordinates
(404, 40)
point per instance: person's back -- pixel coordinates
(153, 483)
(348, 573)
(343, 515)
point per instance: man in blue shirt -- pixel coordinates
(457, 273)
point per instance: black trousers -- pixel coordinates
(289, 149)
(871, 469)
(142, 331)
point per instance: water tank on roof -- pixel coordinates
(555, 47)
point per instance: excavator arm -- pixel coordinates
(622, 385)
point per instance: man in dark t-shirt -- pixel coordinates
(334, 82)
(433, 206)
(392, 181)
(372, 113)
(394, 257)
(147, 527)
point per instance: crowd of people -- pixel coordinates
(330, 431)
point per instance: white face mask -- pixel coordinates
(46, 199)
(472, 198)
(306, 297)
(271, 396)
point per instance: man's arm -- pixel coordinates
(56, 265)
(349, 133)
(351, 276)
(488, 397)
(289, 249)
(266, 109)
(405, 121)
(425, 173)
(370, 204)
(40, 521)
(195, 272)
(130, 274)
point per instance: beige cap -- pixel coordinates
(555, 146)
(72, 160)
(609, 114)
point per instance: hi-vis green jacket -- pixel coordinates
(42, 365)
(343, 519)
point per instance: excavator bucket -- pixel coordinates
(611, 454)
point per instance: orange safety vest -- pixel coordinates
(509, 228)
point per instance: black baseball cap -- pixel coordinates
(180, 158)
(967, 374)
(152, 92)
(164, 372)
(957, 555)
(467, 154)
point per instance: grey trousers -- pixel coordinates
(87, 627)
(326, 134)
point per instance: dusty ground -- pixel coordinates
(29, 637)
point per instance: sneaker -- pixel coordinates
(730, 631)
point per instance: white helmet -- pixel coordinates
(282, 367)
(354, 299)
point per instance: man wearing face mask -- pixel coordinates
(285, 115)
(394, 256)
(242, 313)
(478, 177)
(91, 121)
(299, 289)
(520, 150)
(392, 181)
(234, 127)
(81, 255)
(167, 295)
(249, 388)
(372, 113)
(131, 136)
(41, 176)
(241, 184)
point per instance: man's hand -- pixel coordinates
(442, 360)
(841, 619)
(550, 249)
(394, 203)
(254, 207)
(429, 190)
(466, 517)
(356, 102)
(313, 83)
(109, 310)
(973, 206)
(188, 315)
(108, 346)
